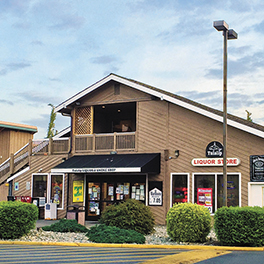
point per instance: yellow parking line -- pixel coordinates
(188, 257)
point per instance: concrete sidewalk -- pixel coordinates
(42, 222)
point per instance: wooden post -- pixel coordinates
(114, 141)
(30, 144)
(50, 146)
(94, 138)
(12, 163)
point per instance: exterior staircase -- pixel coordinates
(22, 157)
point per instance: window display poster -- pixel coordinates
(77, 191)
(205, 198)
(110, 190)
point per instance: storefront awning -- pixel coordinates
(112, 163)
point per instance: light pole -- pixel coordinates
(228, 34)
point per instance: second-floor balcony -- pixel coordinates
(90, 143)
(105, 142)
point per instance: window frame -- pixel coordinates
(171, 183)
(215, 178)
(48, 193)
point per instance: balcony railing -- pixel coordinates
(83, 144)
(21, 157)
(105, 142)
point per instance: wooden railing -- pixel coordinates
(36, 147)
(105, 142)
(83, 143)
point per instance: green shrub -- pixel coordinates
(188, 222)
(131, 215)
(240, 226)
(17, 219)
(112, 234)
(66, 225)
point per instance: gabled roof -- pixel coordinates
(14, 126)
(214, 114)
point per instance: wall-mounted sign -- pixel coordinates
(205, 198)
(257, 168)
(16, 186)
(214, 150)
(77, 191)
(215, 162)
(155, 197)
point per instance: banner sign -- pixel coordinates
(205, 198)
(77, 191)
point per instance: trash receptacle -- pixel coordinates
(75, 212)
(81, 215)
(72, 212)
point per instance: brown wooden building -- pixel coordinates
(13, 137)
(132, 140)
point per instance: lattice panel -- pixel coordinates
(83, 120)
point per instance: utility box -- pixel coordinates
(50, 211)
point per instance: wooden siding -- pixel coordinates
(45, 163)
(4, 145)
(153, 137)
(4, 188)
(164, 126)
(11, 141)
(106, 94)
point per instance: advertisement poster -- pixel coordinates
(77, 191)
(205, 198)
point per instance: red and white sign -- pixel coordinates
(205, 198)
(215, 162)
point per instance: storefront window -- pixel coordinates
(56, 194)
(39, 185)
(232, 190)
(179, 188)
(138, 191)
(204, 191)
(94, 192)
(208, 190)
(122, 191)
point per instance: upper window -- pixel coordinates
(111, 118)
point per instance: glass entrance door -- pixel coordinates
(93, 203)
(102, 193)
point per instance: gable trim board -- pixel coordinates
(190, 105)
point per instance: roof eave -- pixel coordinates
(162, 96)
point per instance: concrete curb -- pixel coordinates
(186, 247)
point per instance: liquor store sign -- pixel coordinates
(214, 157)
(215, 162)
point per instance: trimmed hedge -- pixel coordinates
(17, 219)
(188, 222)
(66, 225)
(240, 226)
(112, 234)
(130, 215)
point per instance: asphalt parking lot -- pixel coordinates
(62, 254)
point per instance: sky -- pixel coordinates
(50, 50)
